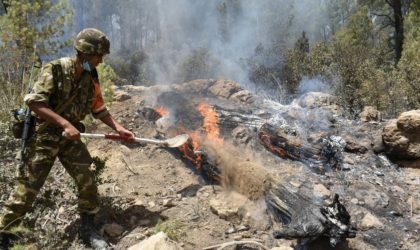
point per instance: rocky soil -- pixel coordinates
(146, 188)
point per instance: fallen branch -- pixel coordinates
(234, 243)
(127, 165)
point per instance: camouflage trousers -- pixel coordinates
(43, 150)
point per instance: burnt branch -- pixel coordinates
(288, 204)
(321, 157)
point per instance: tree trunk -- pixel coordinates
(396, 6)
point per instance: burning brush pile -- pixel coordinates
(309, 164)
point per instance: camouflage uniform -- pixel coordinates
(48, 144)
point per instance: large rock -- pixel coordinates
(409, 122)
(370, 113)
(159, 241)
(401, 136)
(228, 205)
(225, 88)
(319, 101)
(370, 221)
(197, 86)
(316, 99)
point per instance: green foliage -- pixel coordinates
(358, 65)
(131, 66)
(199, 64)
(26, 24)
(107, 78)
(21, 229)
(409, 65)
(19, 247)
(99, 169)
(171, 228)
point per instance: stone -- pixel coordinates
(409, 121)
(370, 221)
(196, 86)
(113, 230)
(371, 196)
(225, 88)
(370, 113)
(243, 96)
(353, 146)
(316, 99)
(284, 244)
(401, 137)
(120, 96)
(227, 206)
(159, 241)
(358, 243)
(168, 203)
(321, 191)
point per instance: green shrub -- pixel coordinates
(171, 228)
(107, 77)
(200, 64)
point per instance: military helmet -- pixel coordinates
(92, 41)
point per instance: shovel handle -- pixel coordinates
(119, 138)
(115, 137)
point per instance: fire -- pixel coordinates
(210, 133)
(210, 122)
(188, 149)
(162, 111)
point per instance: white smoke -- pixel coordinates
(170, 30)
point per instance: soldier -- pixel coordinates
(65, 79)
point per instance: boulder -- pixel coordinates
(228, 205)
(370, 221)
(409, 122)
(225, 88)
(316, 99)
(401, 137)
(354, 146)
(196, 86)
(159, 241)
(243, 96)
(113, 230)
(370, 113)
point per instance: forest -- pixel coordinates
(365, 52)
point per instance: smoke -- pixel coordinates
(172, 33)
(313, 85)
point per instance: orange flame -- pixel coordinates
(210, 123)
(211, 129)
(188, 149)
(162, 111)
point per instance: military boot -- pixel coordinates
(4, 241)
(88, 233)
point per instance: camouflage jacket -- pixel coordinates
(56, 92)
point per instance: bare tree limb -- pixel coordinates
(233, 243)
(385, 15)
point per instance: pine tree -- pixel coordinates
(28, 24)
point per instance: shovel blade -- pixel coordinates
(177, 141)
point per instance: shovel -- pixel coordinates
(173, 142)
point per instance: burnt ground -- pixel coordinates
(146, 188)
